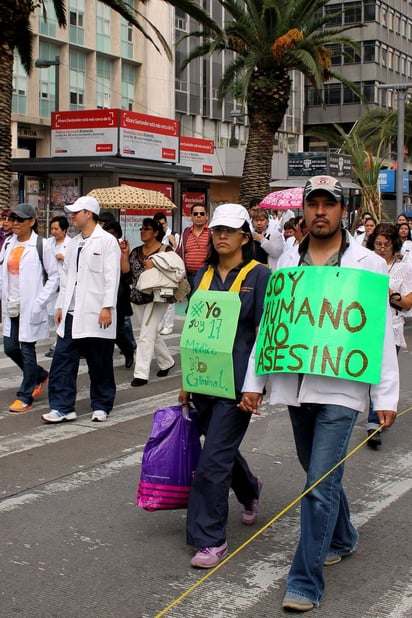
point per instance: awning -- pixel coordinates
(89, 165)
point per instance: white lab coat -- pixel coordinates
(96, 281)
(34, 294)
(321, 389)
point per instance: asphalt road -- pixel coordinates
(74, 544)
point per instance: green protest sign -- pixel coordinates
(207, 341)
(323, 320)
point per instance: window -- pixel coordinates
(47, 81)
(19, 98)
(384, 15)
(390, 19)
(181, 20)
(369, 51)
(48, 27)
(353, 12)
(103, 78)
(369, 11)
(369, 92)
(334, 20)
(77, 79)
(384, 55)
(312, 96)
(336, 57)
(332, 94)
(403, 26)
(103, 17)
(76, 21)
(350, 56)
(349, 96)
(128, 86)
(127, 40)
(127, 33)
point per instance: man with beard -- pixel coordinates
(323, 410)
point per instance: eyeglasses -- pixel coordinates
(383, 245)
(222, 229)
(145, 228)
(198, 214)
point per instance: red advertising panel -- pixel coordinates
(199, 154)
(84, 133)
(148, 137)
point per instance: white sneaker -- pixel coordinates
(166, 331)
(54, 416)
(99, 416)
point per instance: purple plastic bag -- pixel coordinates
(170, 459)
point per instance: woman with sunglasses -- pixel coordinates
(385, 242)
(148, 313)
(221, 466)
(28, 279)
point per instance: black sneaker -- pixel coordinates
(138, 382)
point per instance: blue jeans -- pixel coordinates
(24, 355)
(98, 353)
(322, 434)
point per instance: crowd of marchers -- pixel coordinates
(93, 286)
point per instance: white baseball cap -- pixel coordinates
(85, 202)
(230, 215)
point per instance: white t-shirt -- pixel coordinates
(13, 269)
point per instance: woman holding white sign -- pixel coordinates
(214, 379)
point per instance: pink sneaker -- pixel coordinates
(209, 557)
(249, 513)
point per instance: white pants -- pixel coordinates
(149, 344)
(168, 320)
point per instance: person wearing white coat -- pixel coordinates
(86, 317)
(27, 283)
(323, 410)
(58, 241)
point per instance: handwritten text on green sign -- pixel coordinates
(323, 320)
(206, 343)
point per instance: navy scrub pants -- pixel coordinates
(221, 466)
(98, 353)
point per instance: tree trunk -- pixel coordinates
(6, 88)
(258, 162)
(267, 102)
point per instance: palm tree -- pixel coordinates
(367, 147)
(381, 126)
(16, 34)
(269, 39)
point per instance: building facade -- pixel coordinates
(100, 61)
(384, 57)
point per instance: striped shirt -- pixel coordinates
(195, 250)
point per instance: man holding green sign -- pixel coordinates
(326, 343)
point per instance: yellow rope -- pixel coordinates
(271, 521)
